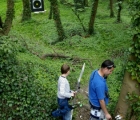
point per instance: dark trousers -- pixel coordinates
(63, 110)
(64, 105)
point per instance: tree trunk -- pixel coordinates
(56, 17)
(92, 17)
(86, 3)
(26, 10)
(119, 11)
(79, 4)
(63, 1)
(51, 12)
(9, 18)
(128, 86)
(1, 23)
(75, 12)
(111, 9)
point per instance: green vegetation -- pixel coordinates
(134, 62)
(28, 83)
(134, 65)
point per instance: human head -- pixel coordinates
(108, 64)
(65, 69)
(107, 67)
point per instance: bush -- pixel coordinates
(23, 96)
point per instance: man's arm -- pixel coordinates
(103, 106)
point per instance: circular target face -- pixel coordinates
(37, 4)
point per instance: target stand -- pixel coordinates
(37, 5)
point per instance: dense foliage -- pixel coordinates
(134, 63)
(22, 95)
(135, 106)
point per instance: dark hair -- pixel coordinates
(108, 64)
(65, 68)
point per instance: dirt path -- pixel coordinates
(83, 112)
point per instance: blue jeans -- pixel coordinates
(65, 108)
(67, 116)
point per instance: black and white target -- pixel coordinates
(37, 5)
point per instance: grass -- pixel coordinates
(110, 41)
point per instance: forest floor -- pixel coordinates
(83, 112)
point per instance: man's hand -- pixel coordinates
(103, 106)
(108, 116)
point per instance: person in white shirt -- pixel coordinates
(63, 94)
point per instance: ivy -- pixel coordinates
(134, 62)
(134, 101)
(22, 95)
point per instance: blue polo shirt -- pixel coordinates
(97, 89)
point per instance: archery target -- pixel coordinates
(37, 5)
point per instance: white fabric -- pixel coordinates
(63, 88)
(102, 116)
(95, 112)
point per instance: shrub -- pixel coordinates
(22, 94)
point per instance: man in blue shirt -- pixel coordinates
(98, 91)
